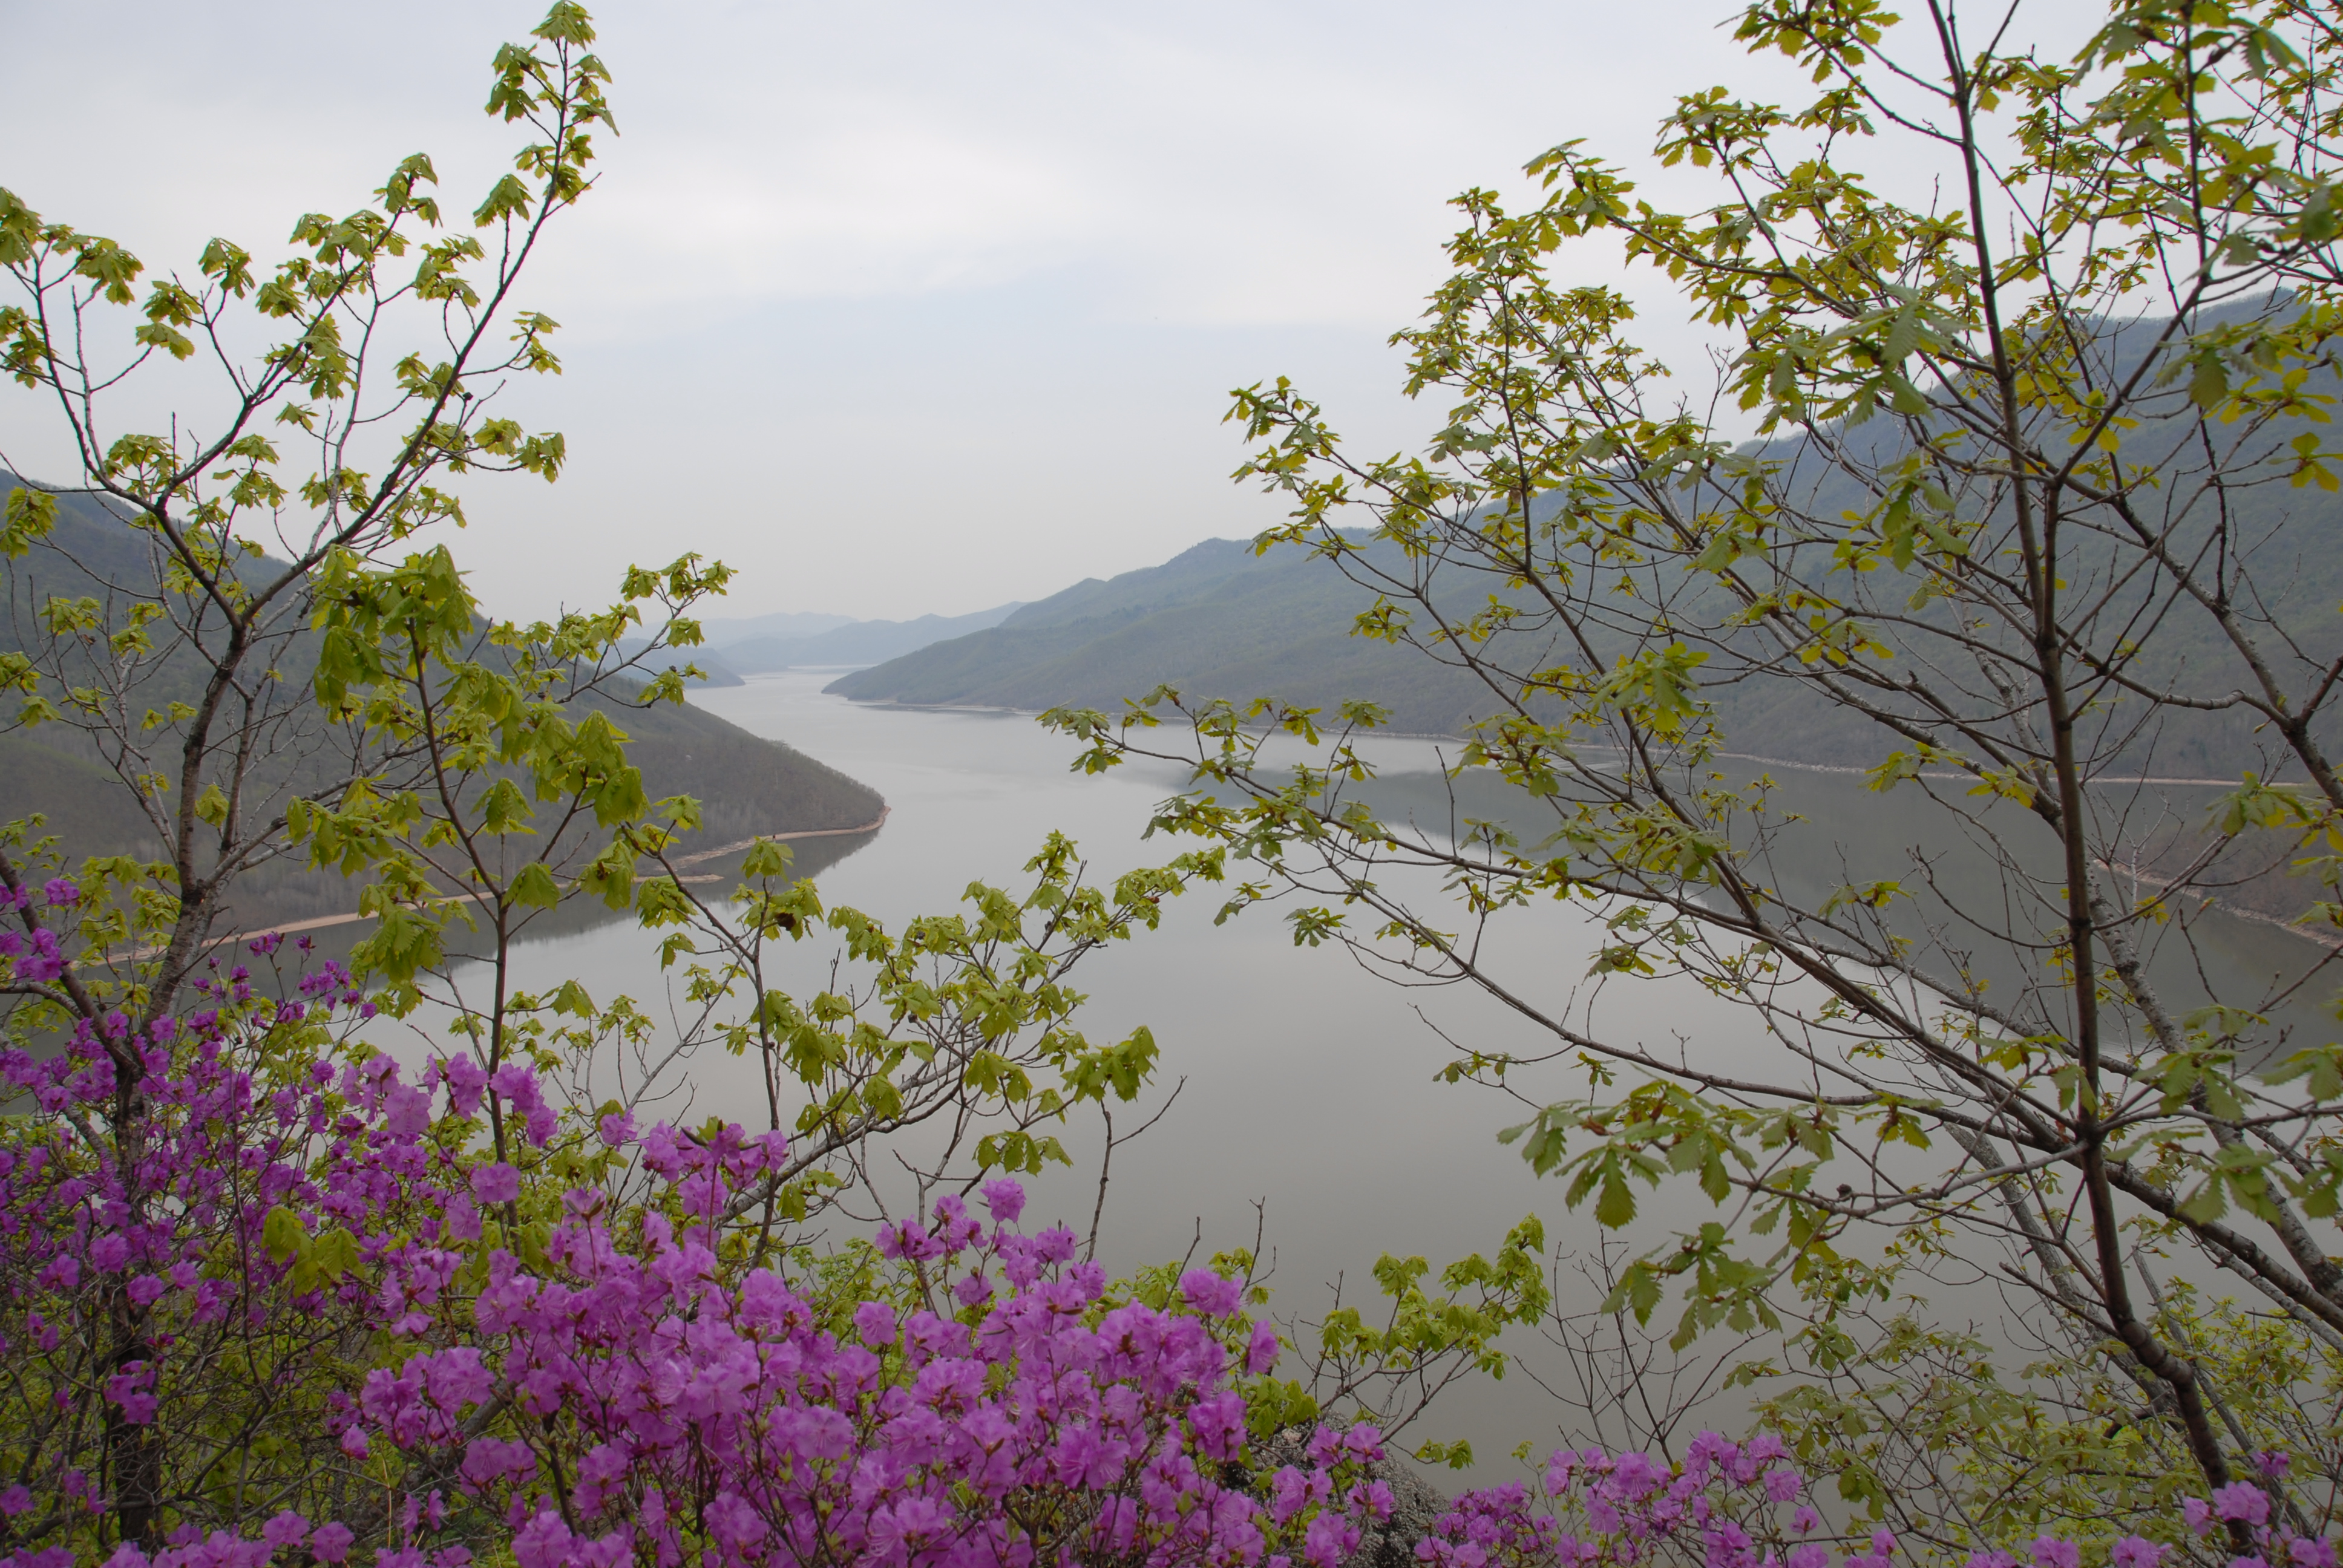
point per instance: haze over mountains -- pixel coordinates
(784, 625)
(1219, 621)
(771, 642)
(758, 644)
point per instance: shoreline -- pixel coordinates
(2109, 780)
(319, 922)
(2207, 903)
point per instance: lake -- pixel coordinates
(1308, 1084)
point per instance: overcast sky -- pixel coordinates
(897, 307)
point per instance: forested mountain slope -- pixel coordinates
(746, 785)
(1215, 621)
(1220, 621)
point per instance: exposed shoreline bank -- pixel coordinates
(320, 922)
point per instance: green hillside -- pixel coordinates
(1219, 621)
(1215, 621)
(746, 785)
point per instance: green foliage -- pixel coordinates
(2024, 454)
(1390, 1362)
(352, 708)
(1934, 1426)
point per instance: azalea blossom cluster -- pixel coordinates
(35, 956)
(265, 1297)
(678, 1410)
(1744, 1505)
(294, 1306)
(2246, 1505)
(144, 1311)
(1732, 1505)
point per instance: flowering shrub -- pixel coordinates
(682, 1410)
(1735, 1505)
(264, 1296)
(196, 1224)
(306, 1309)
(1744, 1506)
(2242, 1506)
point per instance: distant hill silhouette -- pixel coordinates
(758, 644)
(746, 784)
(723, 631)
(1215, 620)
(1219, 621)
(856, 642)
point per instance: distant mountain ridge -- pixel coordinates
(854, 642)
(759, 645)
(1215, 620)
(1220, 621)
(746, 785)
(723, 631)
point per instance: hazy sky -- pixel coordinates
(897, 307)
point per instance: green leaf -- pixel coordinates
(282, 1234)
(533, 886)
(767, 859)
(27, 515)
(1616, 1207)
(507, 199)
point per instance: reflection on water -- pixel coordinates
(1309, 1084)
(1832, 831)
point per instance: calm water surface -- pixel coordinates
(1309, 1084)
(1308, 1103)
